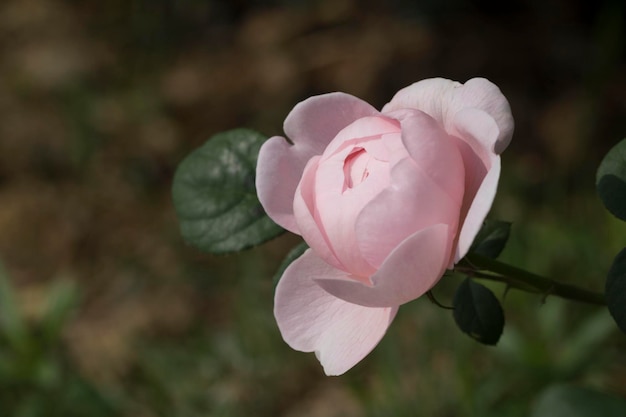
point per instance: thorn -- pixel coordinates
(507, 287)
(545, 295)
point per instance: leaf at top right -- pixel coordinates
(611, 180)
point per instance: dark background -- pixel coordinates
(99, 102)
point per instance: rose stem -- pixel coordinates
(486, 268)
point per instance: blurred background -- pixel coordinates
(104, 311)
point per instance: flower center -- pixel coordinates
(355, 168)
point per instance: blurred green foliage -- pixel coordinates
(36, 376)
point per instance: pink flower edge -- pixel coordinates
(442, 99)
(311, 320)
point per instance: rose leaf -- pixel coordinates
(491, 238)
(615, 290)
(477, 312)
(611, 180)
(215, 197)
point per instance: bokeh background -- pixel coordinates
(104, 311)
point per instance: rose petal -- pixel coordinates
(363, 128)
(412, 203)
(471, 130)
(442, 99)
(485, 95)
(311, 320)
(430, 96)
(476, 130)
(278, 171)
(478, 210)
(314, 122)
(307, 216)
(311, 125)
(337, 206)
(434, 152)
(409, 271)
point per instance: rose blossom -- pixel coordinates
(386, 201)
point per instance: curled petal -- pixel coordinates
(478, 129)
(408, 272)
(442, 99)
(482, 94)
(312, 320)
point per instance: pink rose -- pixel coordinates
(385, 200)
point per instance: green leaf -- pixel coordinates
(615, 290)
(571, 401)
(491, 238)
(215, 196)
(477, 312)
(611, 180)
(293, 254)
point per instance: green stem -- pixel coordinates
(487, 268)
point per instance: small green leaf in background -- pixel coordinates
(293, 254)
(477, 312)
(611, 180)
(571, 401)
(615, 290)
(215, 196)
(491, 238)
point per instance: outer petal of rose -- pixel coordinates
(407, 273)
(314, 122)
(312, 320)
(476, 129)
(305, 213)
(442, 99)
(278, 171)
